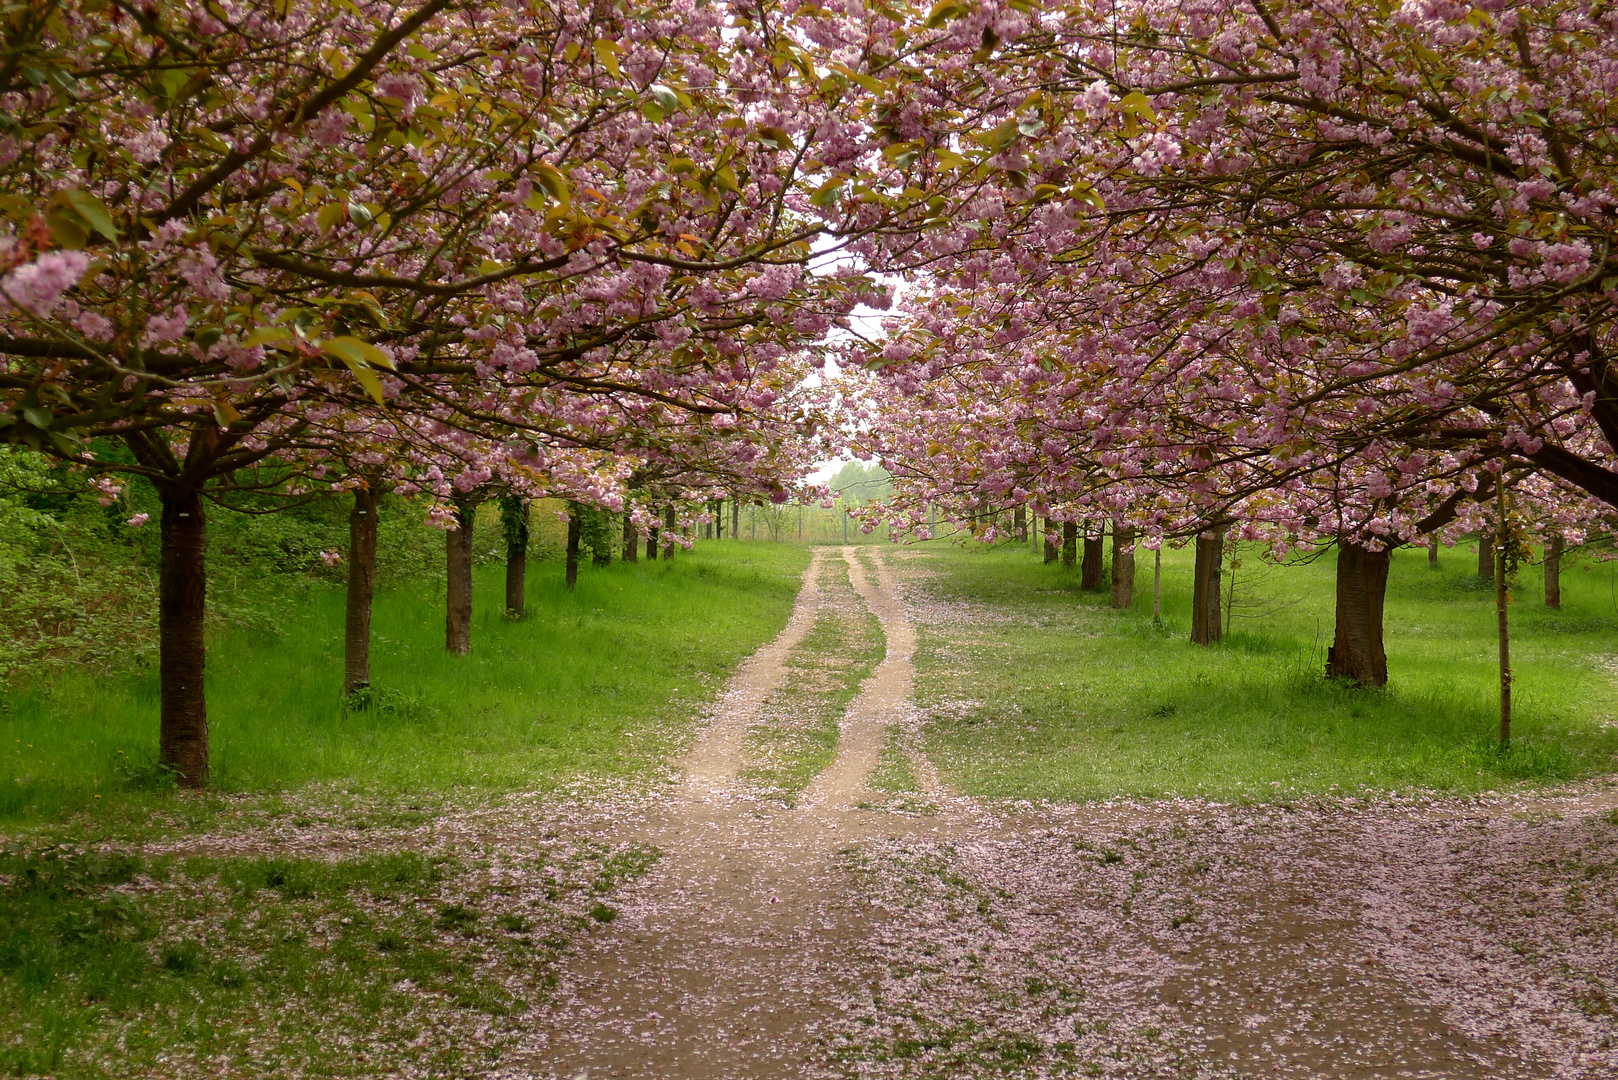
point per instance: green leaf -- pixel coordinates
(664, 97)
(946, 10)
(360, 214)
(652, 111)
(91, 209)
(607, 52)
(355, 351)
(553, 182)
(330, 215)
(826, 194)
(66, 228)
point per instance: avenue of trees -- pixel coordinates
(1300, 273)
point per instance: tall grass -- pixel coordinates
(597, 681)
(1062, 697)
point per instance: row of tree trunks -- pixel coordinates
(362, 527)
(1123, 567)
(458, 593)
(1356, 653)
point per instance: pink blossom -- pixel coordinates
(37, 286)
(138, 520)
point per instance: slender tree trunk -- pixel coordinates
(1486, 555)
(1216, 590)
(1157, 583)
(651, 543)
(1357, 653)
(514, 517)
(458, 594)
(1123, 566)
(719, 520)
(668, 532)
(1432, 552)
(1052, 551)
(575, 529)
(361, 587)
(735, 520)
(1553, 571)
(631, 540)
(1091, 569)
(1019, 525)
(182, 741)
(1502, 604)
(1205, 628)
(1070, 544)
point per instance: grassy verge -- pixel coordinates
(596, 682)
(1034, 689)
(798, 737)
(113, 964)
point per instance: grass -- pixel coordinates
(597, 682)
(1044, 692)
(798, 738)
(112, 964)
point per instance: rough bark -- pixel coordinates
(514, 516)
(1432, 551)
(575, 529)
(1092, 566)
(651, 543)
(1206, 624)
(719, 519)
(1052, 551)
(1486, 555)
(182, 600)
(1553, 571)
(668, 532)
(1019, 525)
(1123, 566)
(631, 540)
(1357, 653)
(735, 520)
(361, 588)
(1070, 544)
(458, 594)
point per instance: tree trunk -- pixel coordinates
(651, 543)
(1051, 549)
(1157, 583)
(1123, 566)
(1070, 544)
(1019, 525)
(1502, 603)
(361, 588)
(182, 742)
(719, 519)
(1486, 555)
(1553, 571)
(735, 520)
(1432, 552)
(575, 528)
(1205, 600)
(458, 594)
(668, 532)
(1091, 568)
(514, 516)
(631, 540)
(1356, 653)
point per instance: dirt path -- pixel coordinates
(1182, 939)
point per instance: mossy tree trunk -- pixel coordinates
(1091, 567)
(1070, 544)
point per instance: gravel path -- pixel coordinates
(1405, 937)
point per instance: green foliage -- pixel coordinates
(597, 681)
(859, 483)
(1051, 694)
